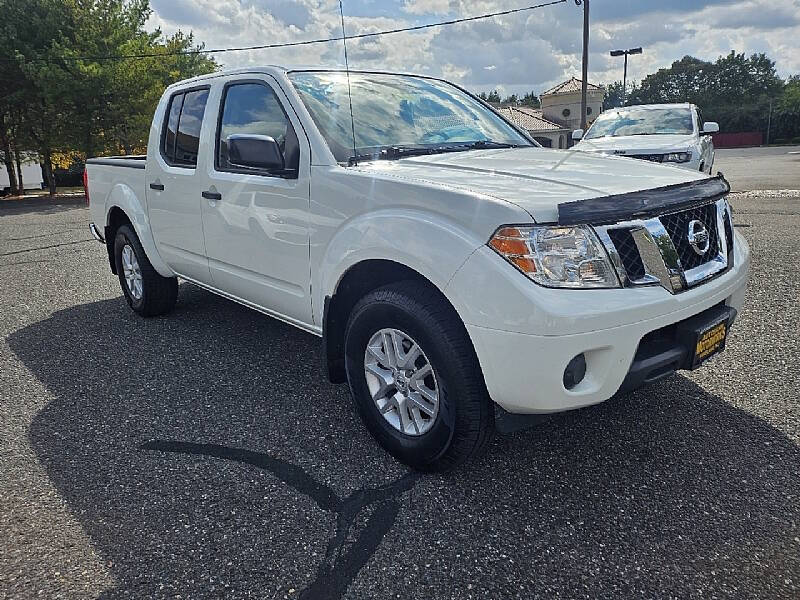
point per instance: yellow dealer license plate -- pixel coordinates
(710, 342)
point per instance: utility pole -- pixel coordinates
(625, 70)
(585, 66)
(769, 121)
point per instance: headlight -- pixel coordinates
(567, 257)
(678, 157)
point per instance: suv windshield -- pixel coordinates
(398, 111)
(642, 121)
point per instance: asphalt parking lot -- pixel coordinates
(765, 168)
(204, 455)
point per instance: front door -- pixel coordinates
(255, 220)
(173, 187)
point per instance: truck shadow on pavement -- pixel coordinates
(205, 455)
(340, 566)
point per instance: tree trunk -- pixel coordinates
(18, 160)
(5, 146)
(48, 171)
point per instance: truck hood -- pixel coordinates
(535, 179)
(642, 144)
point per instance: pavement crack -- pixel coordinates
(46, 247)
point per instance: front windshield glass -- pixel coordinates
(642, 121)
(396, 111)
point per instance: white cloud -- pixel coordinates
(427, 7)
(516, 53)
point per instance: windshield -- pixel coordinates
(397, 111)
(642, 121)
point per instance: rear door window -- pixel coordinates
(184, 120)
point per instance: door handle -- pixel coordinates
(157, 186)
(212, 195)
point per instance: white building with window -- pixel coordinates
(562, 103)
(553, 124)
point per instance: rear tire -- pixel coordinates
(458, 423)
(147, 293)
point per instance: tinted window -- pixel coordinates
(168, 145)
(253, 108)
(188, 140)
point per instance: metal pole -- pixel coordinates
(625, 80)
(585, 62)
(769, 121)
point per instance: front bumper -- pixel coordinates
(524, 369)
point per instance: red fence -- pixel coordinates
(737, 140)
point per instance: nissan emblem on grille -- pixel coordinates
(698, 237)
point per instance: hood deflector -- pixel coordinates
(642, 204)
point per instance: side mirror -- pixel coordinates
(254, 152)
(577, 135)
(710, 127)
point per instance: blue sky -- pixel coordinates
(526, 51)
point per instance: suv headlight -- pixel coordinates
(678, 157)
(553, 256)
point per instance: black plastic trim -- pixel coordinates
(653, 363)
(642, 204)
(332, 351)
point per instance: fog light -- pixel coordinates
(575, 371)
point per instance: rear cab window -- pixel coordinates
(180, 140)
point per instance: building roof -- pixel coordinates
(573, 84)
(529, 119)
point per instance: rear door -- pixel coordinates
(255, 221)
(173, 187)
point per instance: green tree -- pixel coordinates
(735, 90)
(530, 99)
(787, 111)
(69, 90)
(493, 96)
(614, 97)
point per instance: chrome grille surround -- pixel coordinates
(657, 251)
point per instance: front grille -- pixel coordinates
(651, 157)
(677, 226)
(628, 253)
(666, 254)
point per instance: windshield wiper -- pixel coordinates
(486, 144)
(397, 152)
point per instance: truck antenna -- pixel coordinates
(354, 160)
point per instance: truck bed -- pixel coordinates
(112, 177)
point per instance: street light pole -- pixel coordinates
(585, 62)
(625, 53)
(625, 77)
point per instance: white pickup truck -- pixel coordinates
(458, 274)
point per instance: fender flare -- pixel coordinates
(434, 249)
(123, 197)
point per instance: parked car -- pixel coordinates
(31, 175)
(672, 134)
(458, 274)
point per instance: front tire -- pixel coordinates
(147, 293)
(415, 378)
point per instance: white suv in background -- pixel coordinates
(664, 133)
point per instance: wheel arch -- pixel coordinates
(124, 207)
(357, 281)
